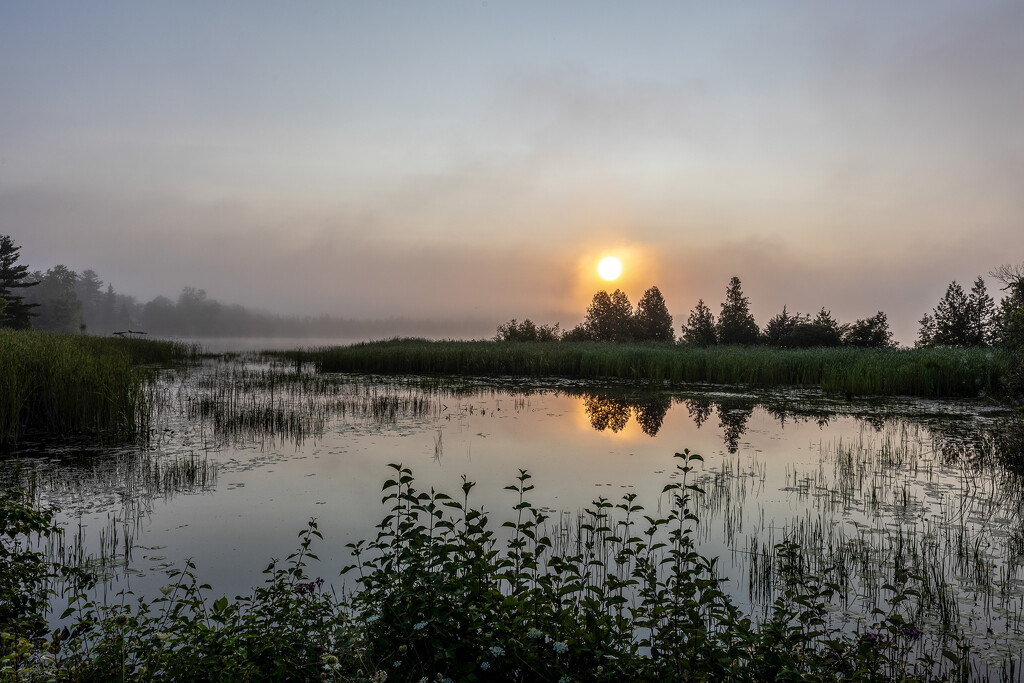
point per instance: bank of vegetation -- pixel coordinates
(620, 595)
(932, 372)
(61, 385)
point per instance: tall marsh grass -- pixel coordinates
(934, 372)
(70, 384)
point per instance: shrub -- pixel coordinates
(622, 595)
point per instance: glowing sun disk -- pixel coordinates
(609, 268)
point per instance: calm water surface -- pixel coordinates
(244, 453)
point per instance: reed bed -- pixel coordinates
(938, 372)
(243, 403)
(61, 384)
(896, 501)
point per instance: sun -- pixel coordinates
(610, 268)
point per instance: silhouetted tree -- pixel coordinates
(983, 313)
(959, 319)
(700, 329)
(59, 307)
(577, 334)
(824, 330)
(870, 332)
(652, 322)
(781, 326)
(952, 318)
(736, 325)
(160, 316)
(609, 318)
(527, 331)
(15, 312)
(1009, 318)
(89, 290)
(926, 331)
(801, 332)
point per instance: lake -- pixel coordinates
(244, 450)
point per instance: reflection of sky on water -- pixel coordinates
(766, 465)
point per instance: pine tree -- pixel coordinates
(89, 290)
(780, 327)
(959, 319)
(652, 321)
(983, 312)
(1009, 318)
(828, 330)
(14, 312)
(699, 329)
(59, 307)
(926, 334)
(609, 318)
(736, 325)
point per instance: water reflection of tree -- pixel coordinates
(732, 419)
(606, 412)
(651, 413)
(699, 410)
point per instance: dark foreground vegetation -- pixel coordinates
(930, 372)
(60, 385)
(442, 595)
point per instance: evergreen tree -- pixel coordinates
(781, 327)
(870, 332)
(699, 329)
(1009, 318)
(609, 318)
(89, 290)
(59, 307)
(983, 312)
(800, 331)
(14, 311)
(1009, 327)
(959, 319)
(827, 330)
(952, 317)
(652, 322)
(926, 334)
(736, 325)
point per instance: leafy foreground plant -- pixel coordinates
(621, 596)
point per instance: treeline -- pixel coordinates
(610, 317)
(960, 319)
(66, 301)
(61, 300)
(973, 318)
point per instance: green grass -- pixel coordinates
(915, 372)
(71, 384)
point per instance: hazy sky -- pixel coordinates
(438, 158)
